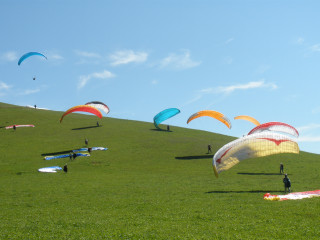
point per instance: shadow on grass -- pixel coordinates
(160, 130)
(85, 127)
(245, 173)
(195, 157)
(251, 191)
(56, 153)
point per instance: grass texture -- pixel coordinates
(149, 184)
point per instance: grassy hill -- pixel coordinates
(149, 185)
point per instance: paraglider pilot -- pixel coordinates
(65, 168)
(281, 168)
(168, 128)
(209, 149)
(287, 183)
(86, 142)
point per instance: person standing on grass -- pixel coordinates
(65, 168)
(281, 168)
(287, 183)
(209, 149)
(86, 141)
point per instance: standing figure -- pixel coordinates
(14, 127)
(65, 168)
(281, 168)
(98, 124)
(287, 183)
(168, 128)
(209, 149)
(86, 141)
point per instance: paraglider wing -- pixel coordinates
(82, 108)
(164, 115)
(213, 114)
(99, 105)
(29, 54)
(276, 127)
(252, 146)
(248, 118)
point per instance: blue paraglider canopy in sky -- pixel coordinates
(29, 54)
(164, 115)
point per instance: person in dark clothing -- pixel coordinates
(89, 150)
(65, 168)
(287, 183)
(70, 155)
(74, 155)
(168, 128)
(86, 142)
(209, 149)
(98, 125)
(14, 127)
(281, 168)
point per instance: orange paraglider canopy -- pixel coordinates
(213, 114)
(82, 108)
(248, 118)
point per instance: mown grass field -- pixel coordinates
(149, 185)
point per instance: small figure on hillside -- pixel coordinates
(70, 155)
(14, 127)
(35, 106)
(65, 168)
(74, 155)
(168, 128)
(86, 142)
(89, 150)
(209, 149)
(281, 168)
(98, 125)
(287, 183)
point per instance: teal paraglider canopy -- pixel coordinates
(29, 54)
(164, 115)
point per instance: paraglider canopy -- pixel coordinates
(210, 113)
(82, 108)
(252, 146)
(29, 54)
(99, 105)
(248, 118)
(275, 127)
(164, 115)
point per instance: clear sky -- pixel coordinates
(257, 58)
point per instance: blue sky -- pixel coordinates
(257, 58)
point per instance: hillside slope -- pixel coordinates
(149, 184)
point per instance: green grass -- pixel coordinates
(149, 184)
